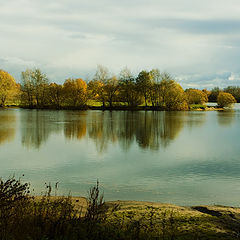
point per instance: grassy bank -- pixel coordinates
(25, 217)
(194, 107)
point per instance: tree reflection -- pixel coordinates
(194, 119)
(103, 128)
(156, 129)
(226, 118)
(7, 126)
(75, 126)
(38, 125)
(150, 129)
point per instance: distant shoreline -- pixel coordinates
(117, 108)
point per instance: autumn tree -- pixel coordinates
(8, 87)
(206, 92)
(196, 96)
(75, 92)
(172, 94)
(225, 99)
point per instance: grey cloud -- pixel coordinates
(209, 80)
(68, 38)
(195, 26)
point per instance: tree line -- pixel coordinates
(151, 89)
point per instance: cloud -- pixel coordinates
(192, 40)
(222, 79)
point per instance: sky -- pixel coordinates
(198, 42)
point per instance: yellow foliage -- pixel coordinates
(225, 99)
(196, 96)
(8, 87)
(75, 92)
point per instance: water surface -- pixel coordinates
(185, 158)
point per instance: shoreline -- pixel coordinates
(117, 108)
(126, 205)
(207, 221)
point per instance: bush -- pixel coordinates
(225, 99)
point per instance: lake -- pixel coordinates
(185, 158)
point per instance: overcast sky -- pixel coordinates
(198, 42)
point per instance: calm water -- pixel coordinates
(185, 158)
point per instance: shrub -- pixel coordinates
(225, 99)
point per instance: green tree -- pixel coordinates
(8, 87)
(97, 85)
(128, 89)
(225, 99)
(34, 87)
(143, 82)
(97, 92)
(111, 87)
(214, 94)
(154, 91)
(55, 95)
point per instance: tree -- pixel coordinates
(154, 92)
(98, 83)
(225, 99)
(55, 95)
(75, 92)
(128, 91)
(234, 90)
(165, 84)
(34, 87)
(214, 94)
(111, 88)
(96, 91)
(143, 82)
(27, 88)
(206, 92)
(8, 87)
(172, 94)
(196, 96)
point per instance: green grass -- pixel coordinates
(198, 107)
